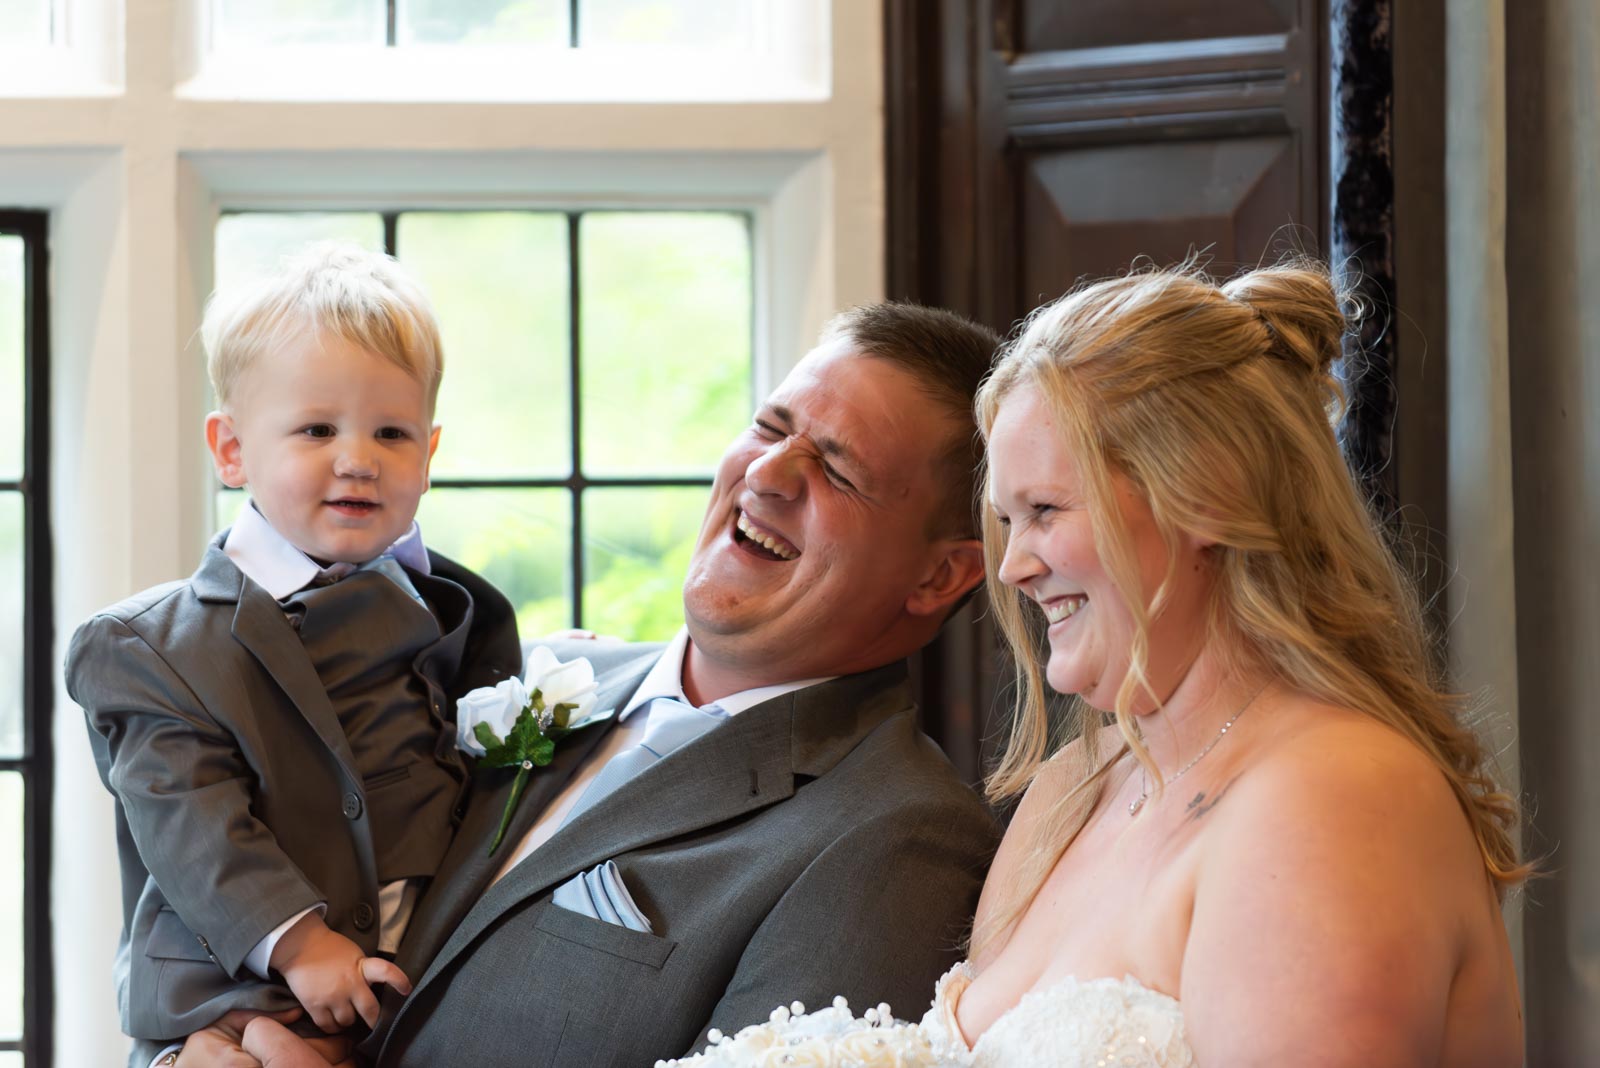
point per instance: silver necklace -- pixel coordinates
(1144, 785)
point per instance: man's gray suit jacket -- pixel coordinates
(209, 721)
(813, 845)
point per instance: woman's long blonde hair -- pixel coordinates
(1218, 403)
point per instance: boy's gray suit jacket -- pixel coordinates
(813, 845)
(202, 700)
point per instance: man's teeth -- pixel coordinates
(766, 541)
(1056, 611)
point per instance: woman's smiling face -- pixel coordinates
(1052, 558)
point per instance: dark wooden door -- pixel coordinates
(1036, 143)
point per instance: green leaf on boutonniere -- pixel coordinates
(525, 732)
(530, 744)
(561, 715)
(486, 737)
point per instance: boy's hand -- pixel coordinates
(330, 976)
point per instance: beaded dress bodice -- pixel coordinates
(1098, 1023)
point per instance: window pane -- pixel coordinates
(666, 355)
(499, 284)
(12, 304)
(723, 24)
(258, 23)
(255, 244)
(10, 624)
(11, 872)
(24, 22)
(520, 540)
(228, 504)
(469, 22)
(636, 549)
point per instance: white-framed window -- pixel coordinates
(597, 362)
(620, 50)
(58, 47)
(127, 132)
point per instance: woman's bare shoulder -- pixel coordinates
(1339, 871)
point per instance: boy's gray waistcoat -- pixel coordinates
(380, 654)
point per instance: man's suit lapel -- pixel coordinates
(467, 867)
(260, 625)
(740, 766)
(746, 764)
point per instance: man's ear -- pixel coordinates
(226, 455)
(956, 570)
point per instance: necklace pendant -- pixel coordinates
(1136, 804)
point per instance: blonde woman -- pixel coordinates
(1271, 842)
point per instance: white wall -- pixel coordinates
(136, 158)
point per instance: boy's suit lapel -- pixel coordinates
(260, 625)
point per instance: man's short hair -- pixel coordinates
(363, 297)
(949, 356)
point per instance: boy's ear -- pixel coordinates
(958, 568)
(433, 447)
(226, 455)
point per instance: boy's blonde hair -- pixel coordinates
(360, 296)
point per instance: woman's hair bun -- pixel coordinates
(1301, 308)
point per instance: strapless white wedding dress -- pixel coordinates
(1068, 1024)
(1101, 1023)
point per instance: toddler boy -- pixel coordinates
(277, 728)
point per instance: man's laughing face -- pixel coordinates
(817, 534)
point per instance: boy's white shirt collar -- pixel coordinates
(272, 562)
(666, 680)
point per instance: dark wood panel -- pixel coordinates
(1034, 143)
(1050, 25)
(1100, 207)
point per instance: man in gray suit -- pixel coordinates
(797, 837)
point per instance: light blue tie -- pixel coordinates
(672, 724)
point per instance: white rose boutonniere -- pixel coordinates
(518, 721)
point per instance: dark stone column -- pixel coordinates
(1361, 68)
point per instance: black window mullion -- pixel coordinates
(574, 310)
(35, 765)
(391, 219)
(572, 23)
(390, 34)
(574, 483)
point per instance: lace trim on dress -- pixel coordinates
(1099, 1022)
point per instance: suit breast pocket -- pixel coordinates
(650, 950)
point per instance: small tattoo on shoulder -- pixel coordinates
(1200, 805)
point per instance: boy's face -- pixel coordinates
(334, 443)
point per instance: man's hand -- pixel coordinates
(245, 1039)
(275, 1046)
(330, 976)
